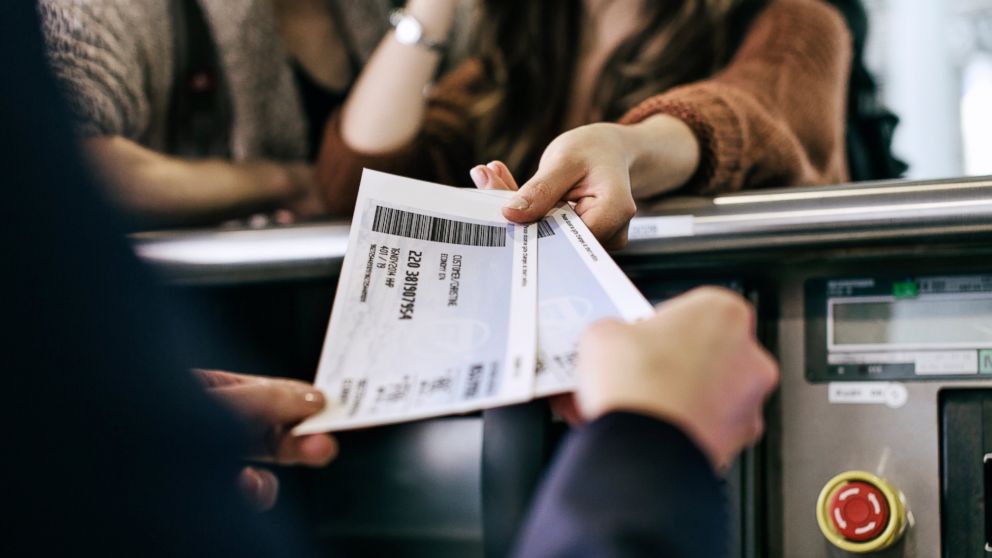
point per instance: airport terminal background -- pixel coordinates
(933, 63)
(893, 413)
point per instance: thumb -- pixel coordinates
(543, 191)
(260, 487)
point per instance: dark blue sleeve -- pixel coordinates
(627, 485)
(109, 445)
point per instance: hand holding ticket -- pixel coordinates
(440, 309)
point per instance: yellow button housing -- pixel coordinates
(897, 518)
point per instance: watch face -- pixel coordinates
(408, 31)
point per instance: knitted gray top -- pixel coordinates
(116, 60)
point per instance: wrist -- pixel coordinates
(435, 16)
(663, 154)
(682, 419)
(658, 427)
(273, 181)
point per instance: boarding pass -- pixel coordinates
(445, 307)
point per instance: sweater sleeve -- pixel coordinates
(100, 51)
(775, 115)
(442, 152)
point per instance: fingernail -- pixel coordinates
(251, 481)
(479, 176)
(313, 396)
(492, 166)
(519, 203)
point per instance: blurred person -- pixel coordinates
(200, 110)
(117, 450)
(601, 103)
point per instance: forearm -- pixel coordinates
(158, 189)
(385, 109)
(774, 116)
(662, 155)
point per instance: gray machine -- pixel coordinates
(876, 299)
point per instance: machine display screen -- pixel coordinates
(876, 328)
(917, 323)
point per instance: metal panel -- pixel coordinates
(772, 240)
(819, 439)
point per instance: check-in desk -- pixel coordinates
(876, 300)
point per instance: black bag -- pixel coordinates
(870, 126)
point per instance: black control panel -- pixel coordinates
(966, 473)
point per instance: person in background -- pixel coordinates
(196, 111)
(601, 103)
(118, 450)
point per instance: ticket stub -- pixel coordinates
(435, 310)
(578, 284)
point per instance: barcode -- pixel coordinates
(544, 229)
(436, 229)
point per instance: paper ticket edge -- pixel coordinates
(314, 426)
(631, 303)
(326, 348)
(521, 351)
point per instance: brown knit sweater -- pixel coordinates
(774, 116)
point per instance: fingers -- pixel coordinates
(617, 241)
(271, 406)
(218, 378)
(607, 217)
(603, 199)
(566, 407)
(502, 172)
(269, 401)
(260, 487)
(542, 192)
(480, 177)
(769, 367)
(494, 176)
(609, 360)
(284, 217)
(725, 310)
(315, 450)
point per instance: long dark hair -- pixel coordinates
(530, 49)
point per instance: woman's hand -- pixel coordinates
(586, 166)
(306, 200)
(271, 407)
(600, 168)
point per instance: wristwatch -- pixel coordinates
(409, 31)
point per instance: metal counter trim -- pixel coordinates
(900, 212)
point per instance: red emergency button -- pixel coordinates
(858, 511)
